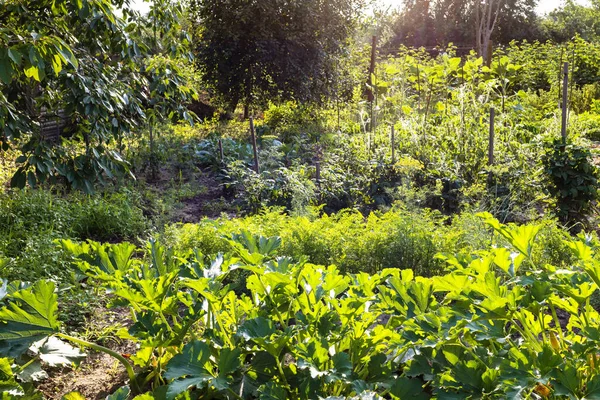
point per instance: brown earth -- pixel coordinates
(210, 203)
(99, 374)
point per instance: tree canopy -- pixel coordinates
(251, 52)
(78, 58)
(573, 19)
(439, 22)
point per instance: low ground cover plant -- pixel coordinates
(31, 220)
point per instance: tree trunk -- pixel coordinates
(486, 17)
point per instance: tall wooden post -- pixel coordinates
(489, 54)
(318, 174)
(393, 140)
(371, 93)
(254, 146)
(565, 102)
(221, 153)
(491, 141)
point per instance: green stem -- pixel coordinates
(279, 316)
(217, 314)
(237, 396)
(584, 313)
(208, 316)
(556, 320)
(97, 347)
(22, 368)
(526, 334)
(282, 374)
(164, 320)
(472, 353)
(289, 312)
(185, 329)
(542, 326)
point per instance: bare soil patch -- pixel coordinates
(99, 374)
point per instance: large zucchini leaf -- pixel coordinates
(29, 316)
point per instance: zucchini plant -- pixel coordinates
(495, 326)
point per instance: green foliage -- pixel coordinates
(239, 48)
(81, 59)
(572, 19)
(291, 120)
(439, 107)
(275, 187)
(573, 179)
(31, 220)
(488, 328)
(59, 49)
(397, 239)
(422, 23)
(29, 317)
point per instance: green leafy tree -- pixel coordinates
(573, 19)
(251, 52)
(73, 56)
(80, 58)
(168, 68)
(466, 23)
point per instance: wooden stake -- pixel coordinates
(254, 146)
(318, 173)
(565, 101)
(490, 54)
(393, 145)
(371, 94)
(221, 153)
(491, 142)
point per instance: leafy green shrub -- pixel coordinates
(573, 179)
(30, 221)
(292, 119)
(470, 233)
(112, 217)
(588, 124)
(281, 186)
(399, 239)
(207, 153)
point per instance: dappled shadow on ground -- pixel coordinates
(99, 374)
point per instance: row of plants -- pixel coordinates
(426, 173)
(497, 324)
(341, 156)
(400, 238)
(31, 220)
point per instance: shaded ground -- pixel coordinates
(595, 149)
(99, 374)
(209, 203)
